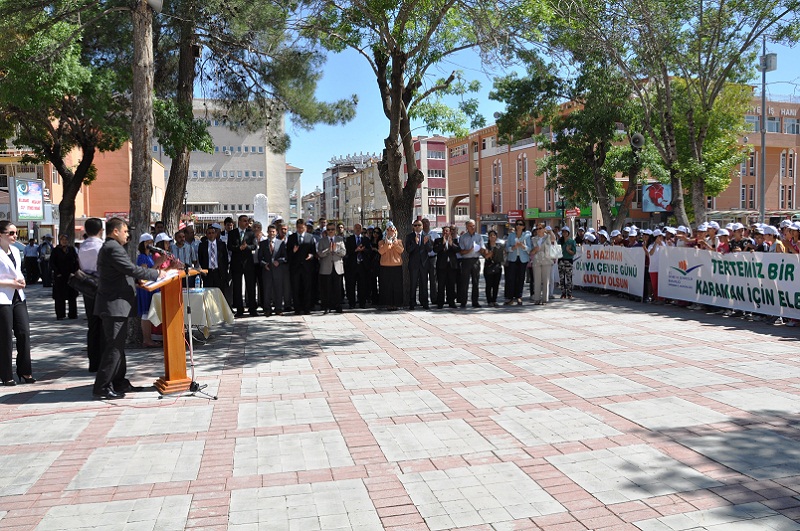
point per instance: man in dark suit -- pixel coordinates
(301, 254)
(212, 254)
(447, 265)
(115, 303)
(356, 262)
(241, 244)
(418, 245)
(273, 269)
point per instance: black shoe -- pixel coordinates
(476, 305)
(325, 312)
(440, 306)
(239, 314)
(108, 394)
(426, 307)
(339, 310)
(253, 314)
(9, 383)
(130, 388)
(26, 379)
(362, 306)
(452, 305)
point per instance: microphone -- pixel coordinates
(159, 250)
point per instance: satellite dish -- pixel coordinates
(637, 141)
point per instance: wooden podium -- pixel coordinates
(175, 379)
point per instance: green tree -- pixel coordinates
(52, 101)
(706, 43)
(402, 42)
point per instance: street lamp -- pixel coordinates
(562, 205)
(768, 63)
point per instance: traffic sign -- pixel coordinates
(573, 212)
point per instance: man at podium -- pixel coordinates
(115, 302)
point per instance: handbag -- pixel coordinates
(555, 252)
(84, 283)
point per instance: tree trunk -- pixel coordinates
(142, 136)
(699, 199)
(633, 178)
(179, 170)
(678, 203)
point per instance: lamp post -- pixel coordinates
(767, 63)
(562, 205)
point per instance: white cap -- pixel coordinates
(163, 237)
(626, 229)
(548, 228)
(729, 226)
(648, 232)
(738, 226)
(615, 233)
(591, 230)
(702, 227)
(670, 230)
(633, 234)
(785, 223)
(564, 229)
(216, 226)
(657, 233)
(589, 237)
(603, 233)
(713, 225)
(682, 229)
(795, 225)
(769, 229)
(146, 237)
(723, 232)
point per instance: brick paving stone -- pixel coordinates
(396, 404)
(666, 413)
(317, 410)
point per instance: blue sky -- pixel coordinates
(348, 73)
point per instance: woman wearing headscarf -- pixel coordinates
(390, 249)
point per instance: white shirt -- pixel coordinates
(87, 254)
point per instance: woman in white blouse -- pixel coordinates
(13, 310)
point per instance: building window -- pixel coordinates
(246, 172)
(751, 196)
(462, 211)
(194, 174)
(53, 175)
(239, 173)
(238, 149)
(751, 163)
(783, 165)
(743, 196)
(261, 149)
(261, 174)
(202, 173)
(751, 123)
(710, 202)
(155, 148)
(790, 197)
(217, 174)
(224, 173)
(436, 174)
(247, 207)
(224, 149)
(548, 200)
(783, 197)
(436, 155)
(246, 149)
(216, 149)
(790, 164)
(773, 124)
(458, 151)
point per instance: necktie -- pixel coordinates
(212, 255)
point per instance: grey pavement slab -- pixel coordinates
(593, 344)
(516, 349)
(279, 364)
(744, 517)
(655, 340)
(471, 372)
(632, 359)
(627, 473)
(440, 355)
(21, 471)
(167, 513)
(284, 413)
(398, 404)
(477, 495)
(373, 359)
(140, 464)
(52, 427)
(290, 452)
(320, 506)
(280, 385)
(666, 413)
(759, 399)
(418, 440)
(503, 395)
(377, 379)
(594, 386)
(765, 369)
(535, 427)
(157, 421)
(759, 453)
(688, 377)
(559, 365)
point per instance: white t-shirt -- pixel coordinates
(654, 257)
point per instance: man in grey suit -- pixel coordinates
(331, 251)
(115, 303)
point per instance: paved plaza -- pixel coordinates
(596, 413)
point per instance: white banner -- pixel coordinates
(614, 268)
(765, 283)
